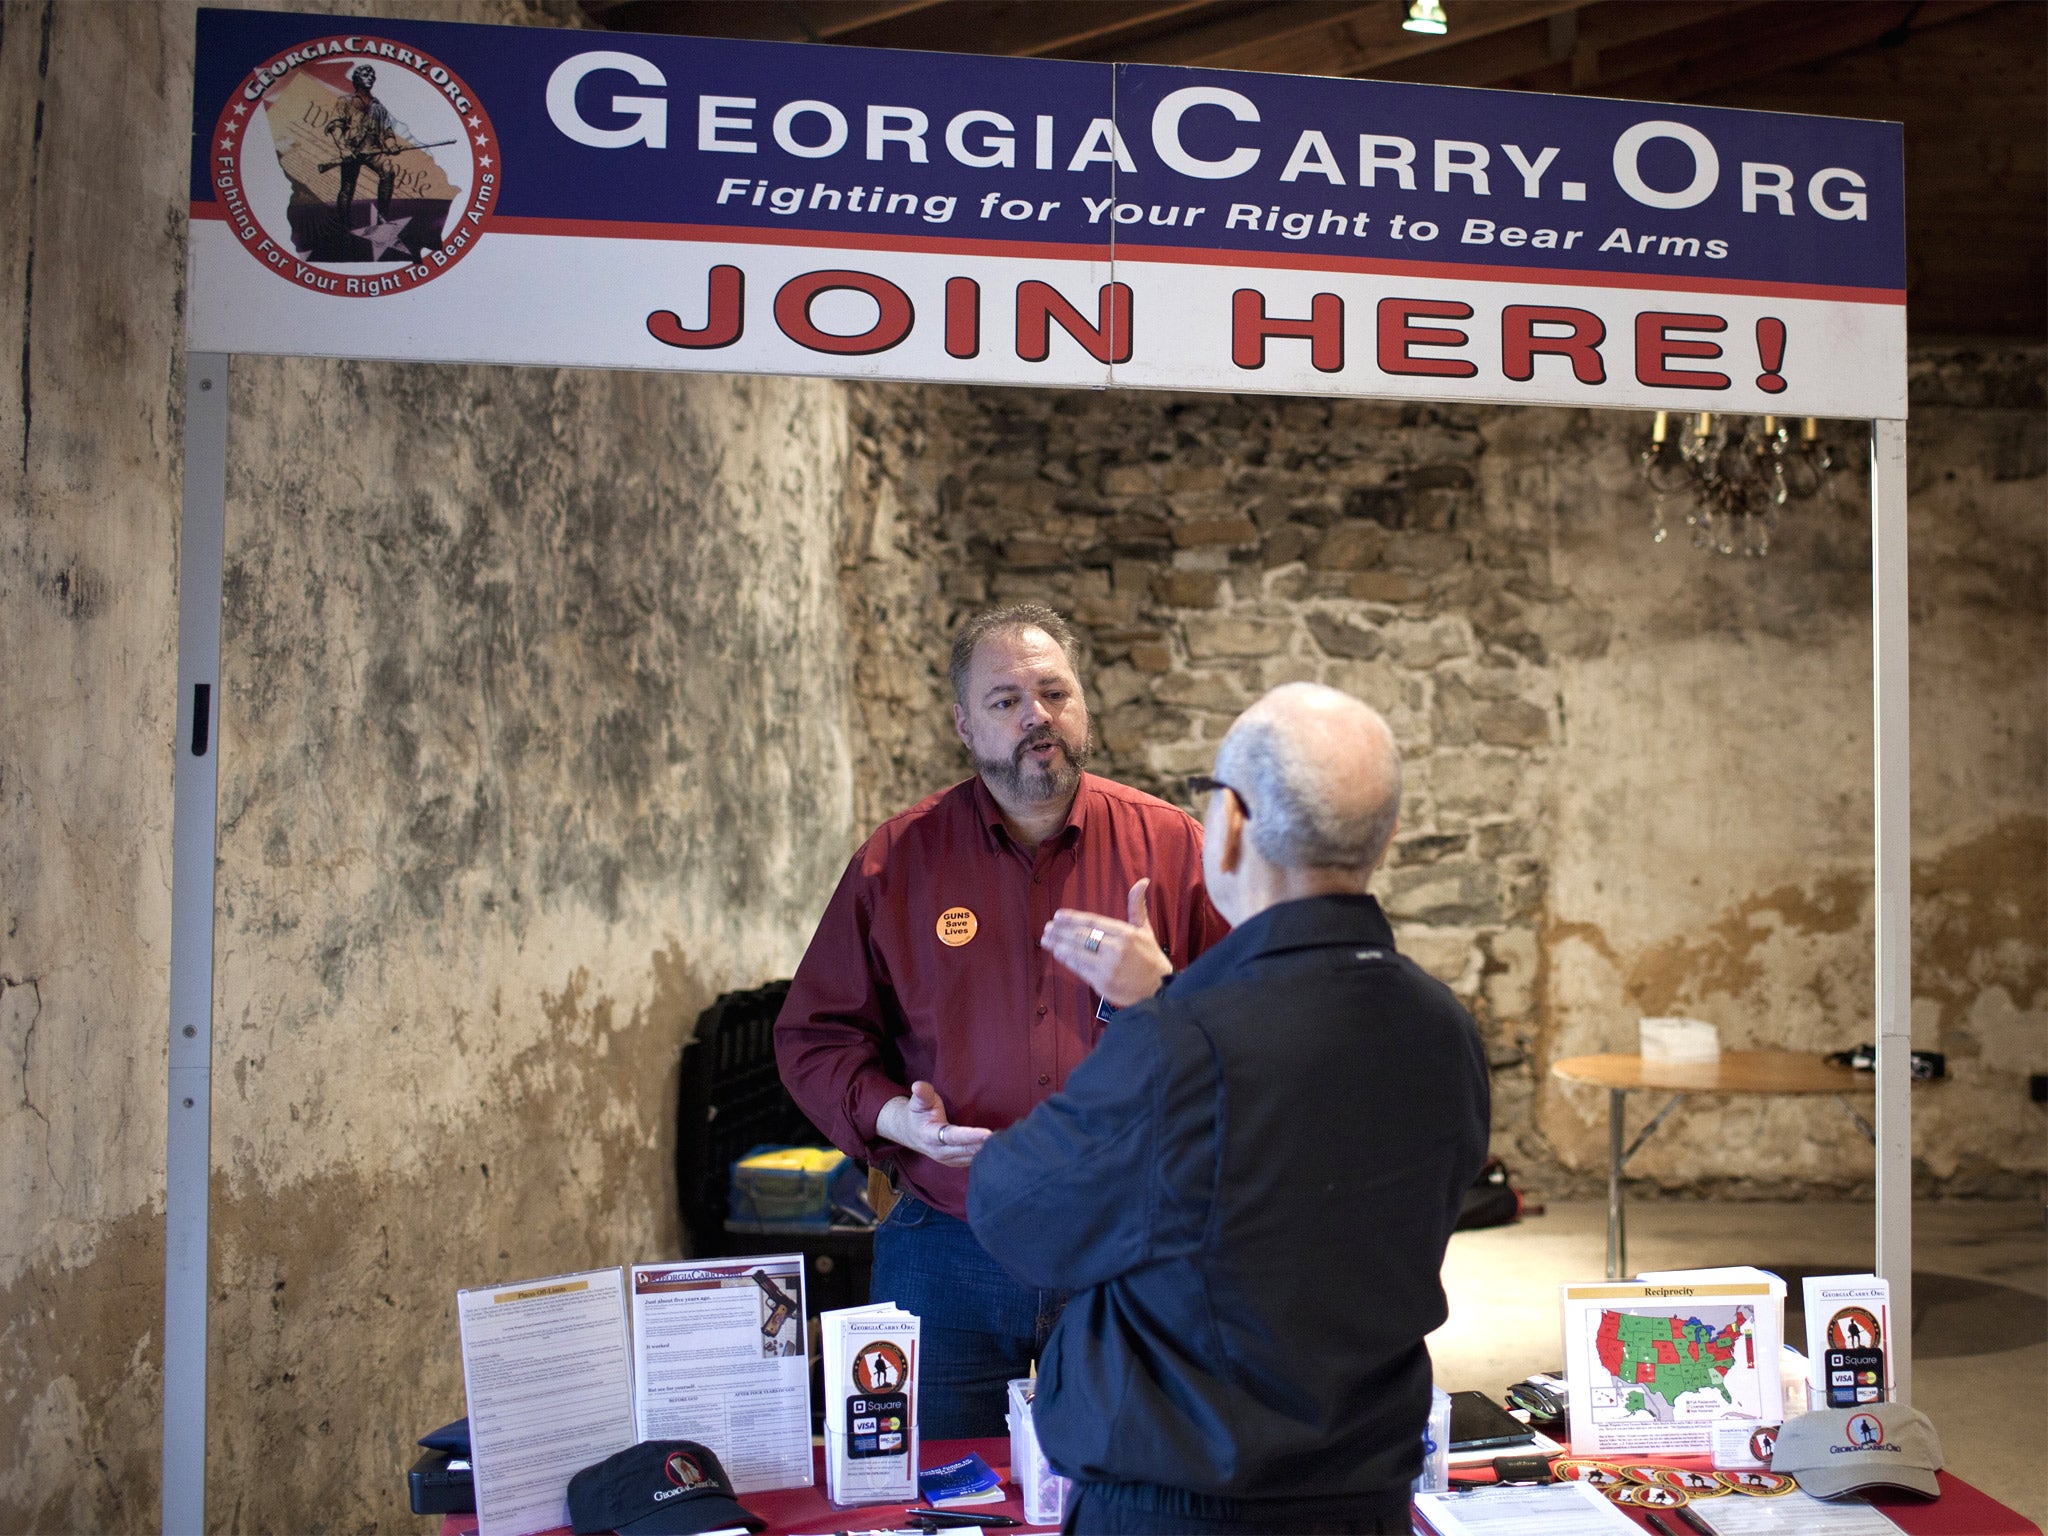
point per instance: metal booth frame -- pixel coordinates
(195, 844)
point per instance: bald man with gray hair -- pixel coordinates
(1250, 1185)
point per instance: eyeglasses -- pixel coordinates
(1202, 784)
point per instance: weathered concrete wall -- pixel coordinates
(497, 819)
(534, 737)
(1718, 781)
(1639, 774)
(533, 741)
(90, 265)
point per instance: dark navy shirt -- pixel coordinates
(1250, 1184)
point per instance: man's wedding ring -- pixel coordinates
(942, 1135)
(1094, 940)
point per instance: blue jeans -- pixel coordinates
(1110, 1509)
(979, 1328)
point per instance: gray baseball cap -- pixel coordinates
(1843, 1450)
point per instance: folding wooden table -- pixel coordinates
(1789, 1072)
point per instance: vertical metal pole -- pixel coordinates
(1894, 888)
(1617, 1233)
(188, 1152)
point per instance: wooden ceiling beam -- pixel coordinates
(1624, 38)
(1672, 50)
(1366, 37)
(1023, 28)
(1818, 32)
(790, 21)
(1214, 43)
(1477, 61)
(1532, 53)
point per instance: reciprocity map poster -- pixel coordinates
(1652, 1367)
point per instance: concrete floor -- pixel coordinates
(1981, 1303)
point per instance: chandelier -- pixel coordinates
(1733, 473)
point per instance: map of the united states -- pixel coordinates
(1655, 1360)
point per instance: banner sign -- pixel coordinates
(440, 192)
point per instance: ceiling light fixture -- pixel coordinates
(1733, 473)
(1426, 16)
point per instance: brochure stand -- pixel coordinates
(1245, 309)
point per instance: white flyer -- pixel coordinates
(1554, 1509)
(1652, 1366)
(870, 1357)
(721, 1356)
(548, 1376)
(1794, 1514)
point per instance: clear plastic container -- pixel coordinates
(1436, 1445)
(1044, 1490)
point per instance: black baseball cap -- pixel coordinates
(656, 1488)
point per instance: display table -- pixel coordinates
(1771, 1072)
(789, 1511)
(1960, 1511)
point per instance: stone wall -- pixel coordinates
(1638, 774)
(534, 737)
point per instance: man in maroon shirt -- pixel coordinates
(965, 966)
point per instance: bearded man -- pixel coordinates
(965, 966)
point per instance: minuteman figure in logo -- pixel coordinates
(365, 132)
(878, 1368)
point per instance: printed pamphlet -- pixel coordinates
(560, 1374)
(1554, 1509)
(1848, 1340)
(548, 1375)
(870, 1358)
(720, 1356)
(970, 1480)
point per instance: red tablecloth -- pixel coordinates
(1960, 1511)
(790, 1511)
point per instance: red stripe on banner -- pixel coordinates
(717, 234)
(611, 229)
(1195, 256)
(1186, 255)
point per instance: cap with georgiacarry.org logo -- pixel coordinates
(657, 1488)
(1838, 1451)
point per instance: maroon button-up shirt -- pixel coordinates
(926, 964)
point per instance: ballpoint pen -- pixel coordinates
(958, 1517)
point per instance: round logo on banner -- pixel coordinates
(355, 166)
